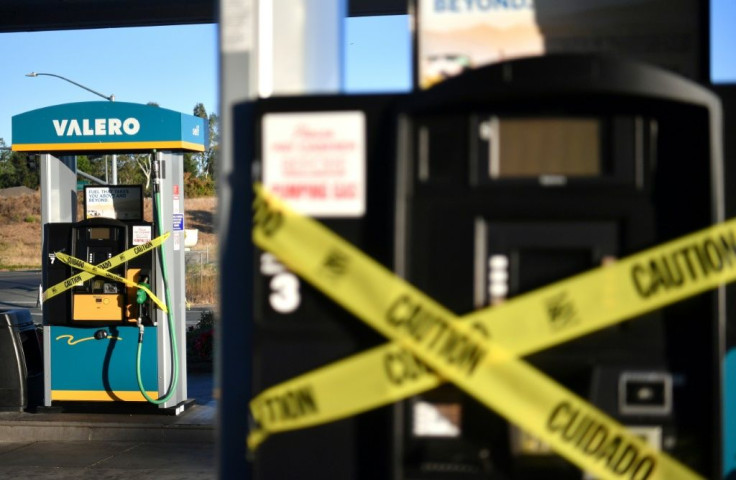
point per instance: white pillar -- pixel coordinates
(300, 46)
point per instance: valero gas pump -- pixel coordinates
(99, 315)
(112, 277)
(100, 301)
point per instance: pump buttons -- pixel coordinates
(101, 334)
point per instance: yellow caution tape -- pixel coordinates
(113, 262)
(96, 271)
(376, 377)
(537, 320)
(459, 353)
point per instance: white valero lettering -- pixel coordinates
(131, 126)
(73, 128)
(85, 128)
(100, 126)
(97, 126)
(60, 126)
(113, 126)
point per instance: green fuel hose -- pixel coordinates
(169, 315)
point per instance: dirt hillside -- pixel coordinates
(20, 226)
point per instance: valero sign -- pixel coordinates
(101, 126)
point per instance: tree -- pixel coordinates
(95, 165)
(206, 160)
(200, 158)
(213, 122)
(129, 172)
(16, 169)
(6, 168)
(200, 111)
(144, 161)
(190, 164)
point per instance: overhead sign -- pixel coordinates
(121, 202)
(107, 126)
(454, 36)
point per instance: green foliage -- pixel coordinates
(198, 186)
(200, 339)
(84, 164)
(17, 168)
(129, 172)
(93, 165)
(206, 320)
(214, 146)
(190, 164)
(205, 161)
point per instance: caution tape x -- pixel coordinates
(479, 353)
(102, 269)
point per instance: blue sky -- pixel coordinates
(174, 66)
(723, 41)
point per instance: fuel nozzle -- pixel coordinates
(140, 298)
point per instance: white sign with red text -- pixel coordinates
(316, 161)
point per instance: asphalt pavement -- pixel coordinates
(21, 290)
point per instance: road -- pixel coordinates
(21, 290)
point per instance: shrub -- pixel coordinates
(198, 186)
(200, 339)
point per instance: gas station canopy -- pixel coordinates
(26, 15)
(107, 126)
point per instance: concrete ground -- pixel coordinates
(106, 460)
(137, 445)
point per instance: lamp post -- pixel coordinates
(106, 97)
(110, 98)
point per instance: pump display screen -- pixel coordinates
(535, 147)
(100, 233)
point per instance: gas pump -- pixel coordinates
(522, 183)
(493, 184)
(96, 239)
(110, 307)
(113, 282)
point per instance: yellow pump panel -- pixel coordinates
(95, 307)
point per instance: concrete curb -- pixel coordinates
(195, 425)
(38, 431)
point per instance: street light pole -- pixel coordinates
(110, 98)
(106, 97)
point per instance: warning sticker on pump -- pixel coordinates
(142, 234)
(487, 368)
(118, 259)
